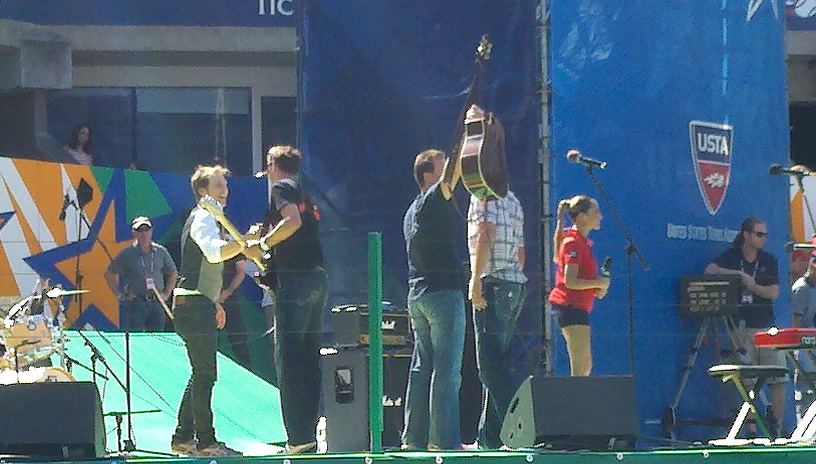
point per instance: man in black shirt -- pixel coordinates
(759, 272)
(436, 305)
(301, 292)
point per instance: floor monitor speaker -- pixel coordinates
(54, 420)
(570, 413)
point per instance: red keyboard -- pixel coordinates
(791, 338)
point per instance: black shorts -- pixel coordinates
(567, 315)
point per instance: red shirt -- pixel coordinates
(575, 249)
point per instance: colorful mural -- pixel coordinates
(46, 236)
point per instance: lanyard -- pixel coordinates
(756, 266)
(152, 263)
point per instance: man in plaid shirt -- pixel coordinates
(496, 288)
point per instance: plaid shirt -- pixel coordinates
(508, 217)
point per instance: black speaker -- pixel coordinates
(570, 413)
(61, 420)
(345, 398)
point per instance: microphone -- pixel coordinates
(65, 202)
(574, 156)
(606, 268)
(796, 170)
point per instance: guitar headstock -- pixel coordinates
(211, 204)
(483, 49)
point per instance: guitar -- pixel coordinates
(484, 169)
(480, 140)
(214, 207)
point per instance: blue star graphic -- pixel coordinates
(45, 263)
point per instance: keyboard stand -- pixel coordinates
(740, 374)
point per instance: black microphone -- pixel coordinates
(574, 156)
(606, 268)
(777, 170)
(65, 202)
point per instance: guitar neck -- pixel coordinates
(215, 209)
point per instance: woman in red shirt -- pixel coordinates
(576, 281)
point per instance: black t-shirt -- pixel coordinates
(431, 242)
(302, 251)
(765, 270)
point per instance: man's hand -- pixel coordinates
(748, 281)
(220, 316)
(254, 232)
(600, 293)
(254, 252)
(475, 293)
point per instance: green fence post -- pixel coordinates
(375, 349)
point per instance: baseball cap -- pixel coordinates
(139, 221)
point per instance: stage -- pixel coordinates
(247, 417)
(666, 456)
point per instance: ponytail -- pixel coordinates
(559, 230)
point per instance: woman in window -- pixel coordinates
(80, 145)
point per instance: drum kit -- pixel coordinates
(31, 336)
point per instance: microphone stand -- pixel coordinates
(96, 354)
(78, 277)
(630, 249)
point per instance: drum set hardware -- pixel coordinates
(30, 335)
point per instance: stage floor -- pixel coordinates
(777, 455)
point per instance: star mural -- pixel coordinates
(81, 264)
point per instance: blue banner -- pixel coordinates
(247, 13)
(686, 101)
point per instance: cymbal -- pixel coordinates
(57, 292)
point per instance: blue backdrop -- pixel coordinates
(685, 100)
(628, 83)
(383, 81)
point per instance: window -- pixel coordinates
(159, 129)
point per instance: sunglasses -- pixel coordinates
(760, 234)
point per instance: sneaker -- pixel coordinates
(305, 448)
(187, 448)
(217, 449)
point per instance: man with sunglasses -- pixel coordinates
(759, 272)
(142, 267)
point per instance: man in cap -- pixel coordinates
(147, 272)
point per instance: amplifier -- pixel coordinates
(709, 295)
(350, 325)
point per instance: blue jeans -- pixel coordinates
(141, 316)
(432, 398)
(300, 301)
(494, 327)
